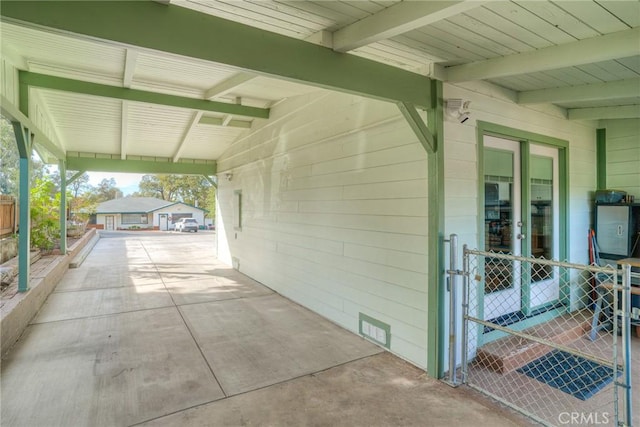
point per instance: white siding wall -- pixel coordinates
(623, 155)
(490, 104)
(334, 213)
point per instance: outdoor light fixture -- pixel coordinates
(458, 109)
(229, 176)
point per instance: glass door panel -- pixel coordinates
(502, 221)
(544, 224)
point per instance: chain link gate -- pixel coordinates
(564, 362)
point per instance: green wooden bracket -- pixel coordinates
(75, 176)
(211, 181)
(419, 127)
(96, 89)
(23, 139)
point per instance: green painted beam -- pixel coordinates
(418, 126)
(181, 31)
(123, 93)
(435, 279)
(62, 169)
(24, 141)
(139, 166)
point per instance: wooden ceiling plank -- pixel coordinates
(588, 92)
(395, 20)
(611, 46)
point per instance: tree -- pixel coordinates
(45, 225)
(107, 190)
(77, 187)
(194, 190)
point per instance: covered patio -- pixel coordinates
(151, 329)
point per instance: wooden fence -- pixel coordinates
(8, 215)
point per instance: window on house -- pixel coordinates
(237, 210)
(135, 219)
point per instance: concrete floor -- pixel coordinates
(153, 330)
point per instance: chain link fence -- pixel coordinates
(545, 338)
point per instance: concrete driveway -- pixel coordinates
(153, 330)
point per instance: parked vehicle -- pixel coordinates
(187, 224)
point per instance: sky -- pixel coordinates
(127, 182)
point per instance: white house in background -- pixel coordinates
(144, 212)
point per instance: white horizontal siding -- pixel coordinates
(334, 206)
(623, 155)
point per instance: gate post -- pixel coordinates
(626, 340)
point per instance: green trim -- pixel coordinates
(23, 98)
(526, 138)
(487, 128)
(151, 25)
(375, 322)
(601, 157)
(62, 169)
(139, 166)
(24, 141)
(436, 321)
(106, 91)
(418, 126)
(525, 324)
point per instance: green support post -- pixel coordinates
(62, 167)
(24, 141)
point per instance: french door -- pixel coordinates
(521, 217)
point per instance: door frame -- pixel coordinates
(526, 138)
(113, 222)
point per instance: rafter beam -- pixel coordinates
(187, 134)
(395, 20)
(603, 113)
(217, 121)
(596, 49)
(124, 129)
(228, 85)
(115, 164)
(240, 45)
(608, 90)
(96, 89)
(129, 67)
(12, 113)
(418, 126)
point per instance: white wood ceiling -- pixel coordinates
(441, 42)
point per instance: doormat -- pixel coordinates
(569, 373)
